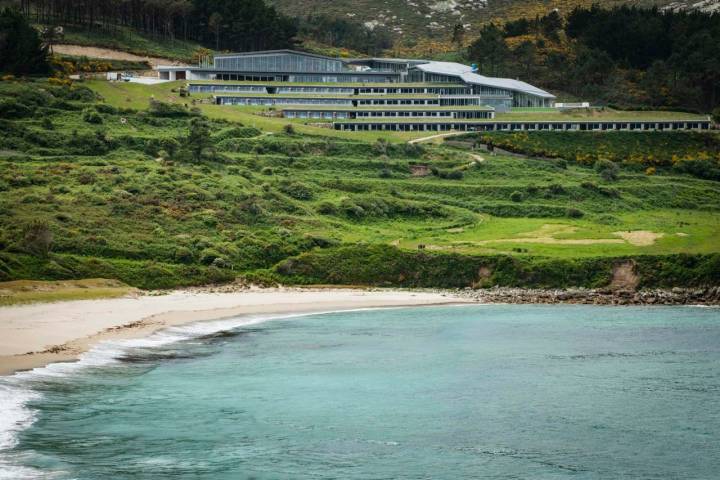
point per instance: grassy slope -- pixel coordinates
(128, 40)
(26, 291)
(160, 223)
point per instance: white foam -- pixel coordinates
(16, 391)
(15, 416)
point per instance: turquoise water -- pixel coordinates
(496, 392)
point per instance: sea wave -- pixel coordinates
(18, 391)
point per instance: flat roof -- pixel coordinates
(275, 52)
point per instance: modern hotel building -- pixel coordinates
(363, 94)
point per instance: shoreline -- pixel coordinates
(36, 335)
(33, 336)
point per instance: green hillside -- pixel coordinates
(105, 187)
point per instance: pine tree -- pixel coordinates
(21, 51)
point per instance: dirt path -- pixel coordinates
(110, 54)
(439, 135)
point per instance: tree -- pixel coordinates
(525, 55)
(489, 50)
(50, 35)
(518, 27)
(201, 55)
(458, 35)
(21, 51)
(551, 24)
(716, 115)
(215, 24)
(198, 141)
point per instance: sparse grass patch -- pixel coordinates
(33, 291)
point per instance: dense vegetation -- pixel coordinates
(687, 152)
(161, 195)
(21, 51)
(343, 33)
(626, 56)
(237, 25)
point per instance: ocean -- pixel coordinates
(451, 392)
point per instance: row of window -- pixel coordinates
(391, 114)
(281, 101)
(246, 78)
(426, 114)
(524, 126)
(302, 89)
(278, 63)
(326, 115)
(202, 88)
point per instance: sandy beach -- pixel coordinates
(35, 335)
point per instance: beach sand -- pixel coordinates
(35, 335)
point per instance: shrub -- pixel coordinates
(385, 173)
(86, 178)
(238, 132)
(380, 147)
(351, 209)
(11, 108)
(220, 262)
(37, 238)
(327, 208)
(556, 189)
(105, 108)
(80, 94)
(208, 256)
(516, 196)
(706, 169)
(574, 213)
(90, 115)
(296, 190)
(607, 169)
(413, 149)
(289, 129)
(162, 109)
(47, 124)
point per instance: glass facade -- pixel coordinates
(280, 101)
(206, 88)
(316, 89)
(278, 62)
